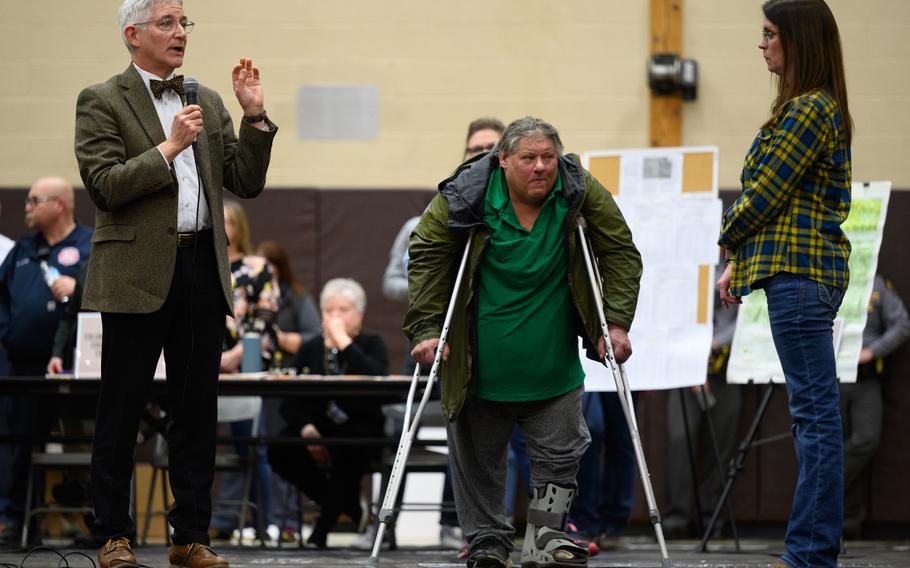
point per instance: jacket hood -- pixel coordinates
(466, 189)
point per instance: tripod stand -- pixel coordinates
(736, 464)
(706, 482)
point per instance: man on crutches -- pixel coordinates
(511, 355)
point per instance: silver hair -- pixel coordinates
(133, 11)
(347, 287)
(528, 127)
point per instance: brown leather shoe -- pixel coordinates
(115, 551)
(194, 556)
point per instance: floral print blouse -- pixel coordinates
(255, 297)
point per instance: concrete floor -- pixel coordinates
(635, 552)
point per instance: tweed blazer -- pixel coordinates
(134, 247)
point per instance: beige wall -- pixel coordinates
(735, 90)
(579, 64)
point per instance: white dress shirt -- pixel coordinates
(189, 196)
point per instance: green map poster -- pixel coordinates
(753, 357)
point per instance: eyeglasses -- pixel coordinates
(766, 35)
(35, 201)
(167, 24)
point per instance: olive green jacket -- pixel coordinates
(456, 216)
(134, 246)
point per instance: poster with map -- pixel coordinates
(753, 358)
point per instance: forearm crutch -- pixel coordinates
(409, 429)
(624, 393)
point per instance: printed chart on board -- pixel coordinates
(668, 197)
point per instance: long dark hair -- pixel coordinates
(813, 58)
(276, 254)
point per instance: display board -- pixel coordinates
(668, 197)
(87, 360)
(753, 357)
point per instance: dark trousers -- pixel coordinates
(335, 488)
(19, 416)
(861, 406)
(190, 328)
(606, 474)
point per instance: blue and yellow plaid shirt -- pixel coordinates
(796, 193)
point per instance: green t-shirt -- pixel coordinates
(526, 342)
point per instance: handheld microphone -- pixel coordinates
(190, 89)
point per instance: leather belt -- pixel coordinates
(186, 239)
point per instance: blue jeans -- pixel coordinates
(606, 474)
(231, 489)
(802, 313)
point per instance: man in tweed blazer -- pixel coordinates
(155, 169)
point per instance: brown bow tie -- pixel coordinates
(175, 83)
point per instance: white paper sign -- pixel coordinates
(676, 233)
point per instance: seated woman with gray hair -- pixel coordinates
(331, 475)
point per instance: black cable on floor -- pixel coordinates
(65, 563)
(62, 563)
(46, 549)
(64, 559)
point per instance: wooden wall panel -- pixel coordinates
(356, 231)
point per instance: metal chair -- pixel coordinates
(230, 409)
(420, 459)
(53, 457)
(41, 463)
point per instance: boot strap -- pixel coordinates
(539, 517)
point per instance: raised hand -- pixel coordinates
(247, 87)
(335, 333)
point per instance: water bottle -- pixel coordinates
(51, 274)
(252, 353)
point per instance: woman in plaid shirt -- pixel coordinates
(783, 234)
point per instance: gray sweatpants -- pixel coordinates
(556, 436)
